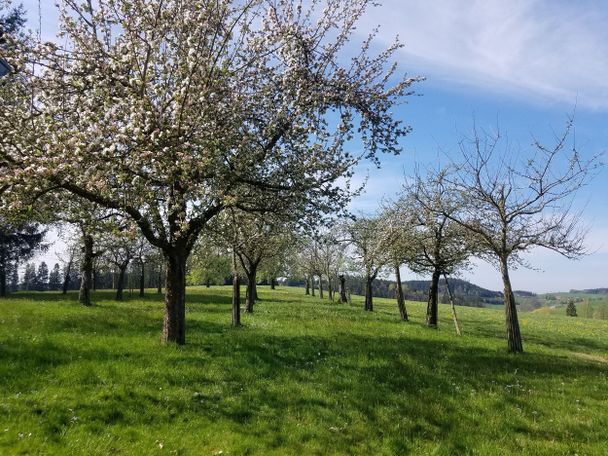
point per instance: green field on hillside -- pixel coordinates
(587, 305)
(302, 376)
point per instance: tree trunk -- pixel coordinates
(174, 326)
(121, 280)
(273, 283)
(66, 278)
(236, 293)
(84, 296)
(208, 283)
(330, 291)
(236, 300)
(312, 284)
(369, 303)
(159, 286)
(142, 280)
(514, 341)
(432, 306)
(400, 298)
(251, 290)
(321, 287)
(307, 284)
(343, 297)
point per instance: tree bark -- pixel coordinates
(369, 303)
(307, 284)
(174, 325)
(343, 297)
(273, 283)
(84, 296)
(321, 287)
(400, 298)
(330, 291)
(312, 284)
(251, 289)
(236, 300)
(142, 280)
(514, 341)
(432, 306)
(120, 283)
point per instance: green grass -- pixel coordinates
(302, 377)
(587, 305)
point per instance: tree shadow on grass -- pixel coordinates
(265, 384)
(352, 392)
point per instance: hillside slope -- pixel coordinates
(303, 376)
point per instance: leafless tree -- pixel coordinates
(330, 259)
(365, 237)
(437, 244)
(397, 231)
(513, 201)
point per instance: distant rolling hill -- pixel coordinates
(465, 293)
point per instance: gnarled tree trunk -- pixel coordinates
(514, 341)
(369, 303)
(400, 298)
(343, 297)
(174, 325)
(122, 268)
(432, 307)
(251, 289)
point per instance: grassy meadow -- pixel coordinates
(301, 377)
(587, 305)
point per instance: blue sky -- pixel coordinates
(522, 64)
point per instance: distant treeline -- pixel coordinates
(592, 291)
(465, 293)
(39, 277)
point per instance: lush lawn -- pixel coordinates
(303, 376)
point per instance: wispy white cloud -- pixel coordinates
(548, 50)
(554, 51)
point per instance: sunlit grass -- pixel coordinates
(303, 376)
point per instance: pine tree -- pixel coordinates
(42, 277)
(571, 308)
(18, 242)
(14, 277)
(55, 278)
(29, 277)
